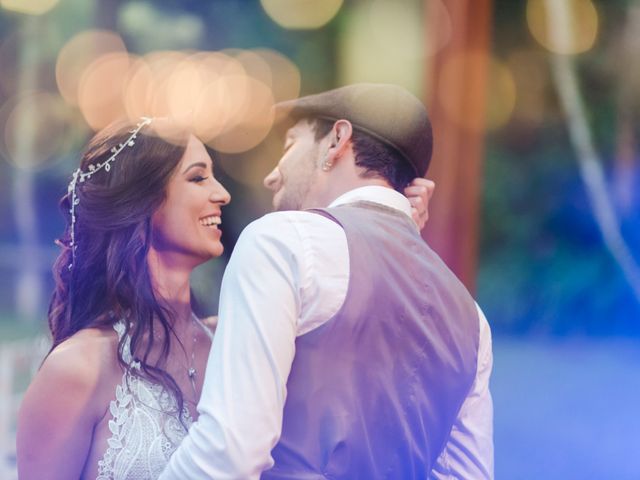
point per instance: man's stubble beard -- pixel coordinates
(296, 193)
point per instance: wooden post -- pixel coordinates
(457, 106)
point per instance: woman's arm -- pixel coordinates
(58, 413)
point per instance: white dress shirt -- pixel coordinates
(288, 275)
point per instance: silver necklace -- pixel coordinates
(191, 369)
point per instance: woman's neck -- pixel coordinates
(171, 285)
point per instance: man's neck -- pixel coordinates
(339, 189)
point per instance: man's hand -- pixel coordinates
(419, 193)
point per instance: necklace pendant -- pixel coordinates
(191, 372)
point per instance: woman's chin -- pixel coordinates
(215, 251)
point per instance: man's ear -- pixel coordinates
(339, 142)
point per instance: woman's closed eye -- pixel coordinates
(198, 179)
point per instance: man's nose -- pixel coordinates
(273, 180)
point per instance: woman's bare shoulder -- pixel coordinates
(88, 352)
(63, 404)
(83, 364)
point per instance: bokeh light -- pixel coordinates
(30, 7)
(184, 87)
(531, 74)
(579, 34)
(253, 64)
(398, 31)
(148, 83)
(222, 101)
(394, 34)
(225, 97)
(285, 75)
(501, 94)
(301, 14)
(138, 89)
(101, 89)
(500, 89)
(37, 130)
(253, 125)
(221, 106)
(78, 53)
(436, 13)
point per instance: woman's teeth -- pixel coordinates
(209, 221)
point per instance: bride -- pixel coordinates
(119, 388)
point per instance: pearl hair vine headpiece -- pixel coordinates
(80, 176)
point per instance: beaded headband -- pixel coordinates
(80, 176)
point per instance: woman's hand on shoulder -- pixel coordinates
(211, 322)
(419, 193)
(60, 409)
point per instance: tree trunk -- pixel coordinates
(452, 230)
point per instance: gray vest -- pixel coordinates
(374, 391)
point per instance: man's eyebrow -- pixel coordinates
(291, 133)
(193, 165)
(289, 137)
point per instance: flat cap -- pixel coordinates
(388, 113)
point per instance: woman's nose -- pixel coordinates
(219, 194)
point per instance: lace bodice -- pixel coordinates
(144, 425)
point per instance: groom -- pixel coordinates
(345, 347)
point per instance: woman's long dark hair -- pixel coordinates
(110, 280)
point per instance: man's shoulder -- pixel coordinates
(287, 216)
(295, 232)
(276, 224)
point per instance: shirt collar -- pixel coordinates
(377, 194)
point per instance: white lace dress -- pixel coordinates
(144, 425)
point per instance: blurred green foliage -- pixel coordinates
(543, 265)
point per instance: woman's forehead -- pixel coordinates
(196, 152)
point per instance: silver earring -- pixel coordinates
(326, 166)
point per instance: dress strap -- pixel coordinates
(127, 357)
(125, 351)
(206, 329)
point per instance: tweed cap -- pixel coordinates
(386, 112)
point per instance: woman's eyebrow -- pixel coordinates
(193, 165)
